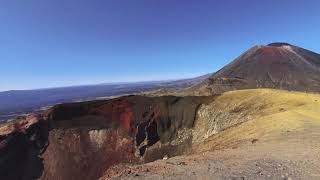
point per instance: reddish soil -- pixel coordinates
(267, 50)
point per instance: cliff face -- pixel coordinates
(82, 140)
(21, 145)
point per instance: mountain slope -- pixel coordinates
(277, 65)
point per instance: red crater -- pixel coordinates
(117, 111)
(268, 50)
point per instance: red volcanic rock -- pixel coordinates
(21, 147)
(85, 154)
(20, 125)
(268, 50)
(119, 110)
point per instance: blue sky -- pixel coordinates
(52, 43)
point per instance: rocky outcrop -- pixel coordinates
(82, 140)
(21, 146)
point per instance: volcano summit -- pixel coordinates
(277, 65)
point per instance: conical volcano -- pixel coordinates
(277, 65)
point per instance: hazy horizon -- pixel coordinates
(110, 82)
(65, 43)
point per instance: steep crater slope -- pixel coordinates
(82, 140)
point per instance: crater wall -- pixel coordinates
(82, 140)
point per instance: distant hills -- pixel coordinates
(13, 103)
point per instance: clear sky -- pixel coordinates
(49, 43)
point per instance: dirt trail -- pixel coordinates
(258, 161)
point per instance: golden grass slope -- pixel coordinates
(258, 115)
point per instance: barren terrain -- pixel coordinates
(277, 138)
